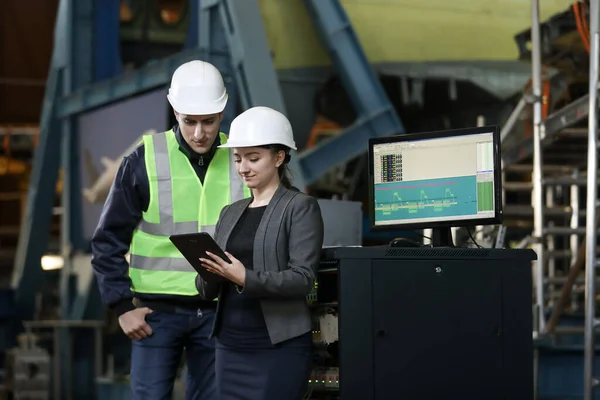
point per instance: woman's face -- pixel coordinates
(258, 166)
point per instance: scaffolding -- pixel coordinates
(548, 179)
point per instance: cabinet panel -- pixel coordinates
(437, 321)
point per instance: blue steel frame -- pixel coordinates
(376, 115)
(83, 77)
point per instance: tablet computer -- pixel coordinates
(194, 246)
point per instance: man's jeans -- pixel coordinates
(156, 358)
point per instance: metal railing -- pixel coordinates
(581, 252)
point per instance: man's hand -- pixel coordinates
(134, 325)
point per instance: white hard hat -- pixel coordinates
(260, 126)
(197, 88)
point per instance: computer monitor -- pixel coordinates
(436, 180)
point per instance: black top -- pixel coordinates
(243, 323)
(128, 198)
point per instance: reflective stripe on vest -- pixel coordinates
(178, 204)
(165, 202)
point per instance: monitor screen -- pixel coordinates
(436, 179)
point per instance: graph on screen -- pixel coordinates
(430, 198)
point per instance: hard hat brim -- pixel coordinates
(200, 109)
(231, 144)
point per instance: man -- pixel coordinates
(174, 182)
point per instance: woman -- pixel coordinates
(273, 240)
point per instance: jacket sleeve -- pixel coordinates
(210, 291)
(120, 216)
(305, 243)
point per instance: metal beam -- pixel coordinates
(350, 143)
(78, 50)
(208, 33)
(154, 74)
(251, 55)
(28, 275)
(256, 80)
(513, 118)
(551, 127)
(567, 116)
(377, 117)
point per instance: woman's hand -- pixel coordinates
(235, 272)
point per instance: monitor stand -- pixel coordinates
(441, 237)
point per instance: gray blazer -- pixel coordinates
(287, 250)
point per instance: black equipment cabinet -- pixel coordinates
(432, 323)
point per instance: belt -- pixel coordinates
(163, 306)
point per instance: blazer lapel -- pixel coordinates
(261, 232)
(230, 219)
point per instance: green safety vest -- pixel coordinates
(179, 203)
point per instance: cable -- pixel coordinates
(423, 236)
(581, 24)
(472, 238)
(308, 394)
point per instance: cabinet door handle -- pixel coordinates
(380, 333)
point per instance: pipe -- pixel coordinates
(537, 195)
(590, 220)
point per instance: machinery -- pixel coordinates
(27, 372)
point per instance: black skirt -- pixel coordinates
(280, 372)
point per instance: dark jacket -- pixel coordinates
(128, 198)
(286, 256)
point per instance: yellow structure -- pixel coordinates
(407, 30)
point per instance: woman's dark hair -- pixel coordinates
(283, 170)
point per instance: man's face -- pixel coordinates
(199, 131)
